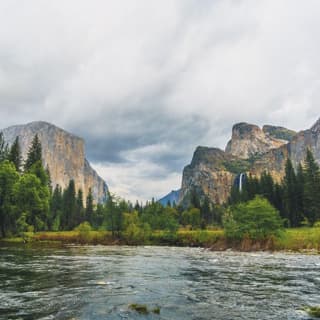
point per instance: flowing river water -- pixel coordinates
(186, 283)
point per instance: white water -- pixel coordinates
(240, 181)
(97, 283)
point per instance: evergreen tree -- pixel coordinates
(267, 187)
(114, 217)
(235, 196)
(79, 208)
(205, 212)
(34, 154)
(290, 195)
(56, 206)
(278, 200)
(311, 188)
(89, 207)
(32, 198)
(8, 178)
(68, 220)
(15, 154)
(194, 199)
(300, 190)
(49, 181)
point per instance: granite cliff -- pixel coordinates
(63, 153)
(253, 150)
(249, 140)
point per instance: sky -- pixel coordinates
(145, 82)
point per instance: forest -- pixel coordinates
(28, 203)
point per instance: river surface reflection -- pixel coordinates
(99, 282)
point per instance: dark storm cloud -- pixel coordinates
(144, 82)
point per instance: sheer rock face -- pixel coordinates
(207, 176)
(251, 150)
(249, 140)
(64, 155)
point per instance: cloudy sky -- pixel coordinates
(144, 81)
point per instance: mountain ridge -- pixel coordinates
(64, 155)
(251, 150)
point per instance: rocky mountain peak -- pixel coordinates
(316, 127)
(245, 130)
(63, 153)
(250, 140)
(280, 133)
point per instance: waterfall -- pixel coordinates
(240, 181)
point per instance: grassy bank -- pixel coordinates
(299, 239)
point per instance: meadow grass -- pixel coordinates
(297, 239)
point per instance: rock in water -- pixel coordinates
(63, 153)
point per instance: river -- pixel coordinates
(97, 282)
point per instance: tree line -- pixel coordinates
(296, 197)
(29, 203)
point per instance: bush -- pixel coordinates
(83, 227)
(256, 219)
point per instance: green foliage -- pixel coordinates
(256, 219)
(140, 308)
(34, 154)
(192, 218)
(237, 166)
(311, 188)
(84, 227)
(22, 225)
(114, 215)
(314, 311)
(89, 212)
(14, 155)
(69, 207)
(32, 198)
(135, 231)
(8, 180)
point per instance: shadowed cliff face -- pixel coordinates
(251, 150)
(64, 155)
(207, 175)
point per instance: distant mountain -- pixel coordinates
(173, 197)
(63, 153)
(251, 150)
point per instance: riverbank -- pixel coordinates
(297, 240)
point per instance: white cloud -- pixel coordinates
(145, 82)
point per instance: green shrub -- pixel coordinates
(83, 227)
(256, 219)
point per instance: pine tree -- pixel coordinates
(267, 187)
(69, 207)
(311, 188)
(15, 154)
(278, 199)
(8, 178)
(34, 153)
(194, 199)
(290, 195)
(49, 181)
(300, 190)
(79, 207)
(89, 207)
(56, 206)
(205, 211)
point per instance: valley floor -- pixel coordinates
(297, 240)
